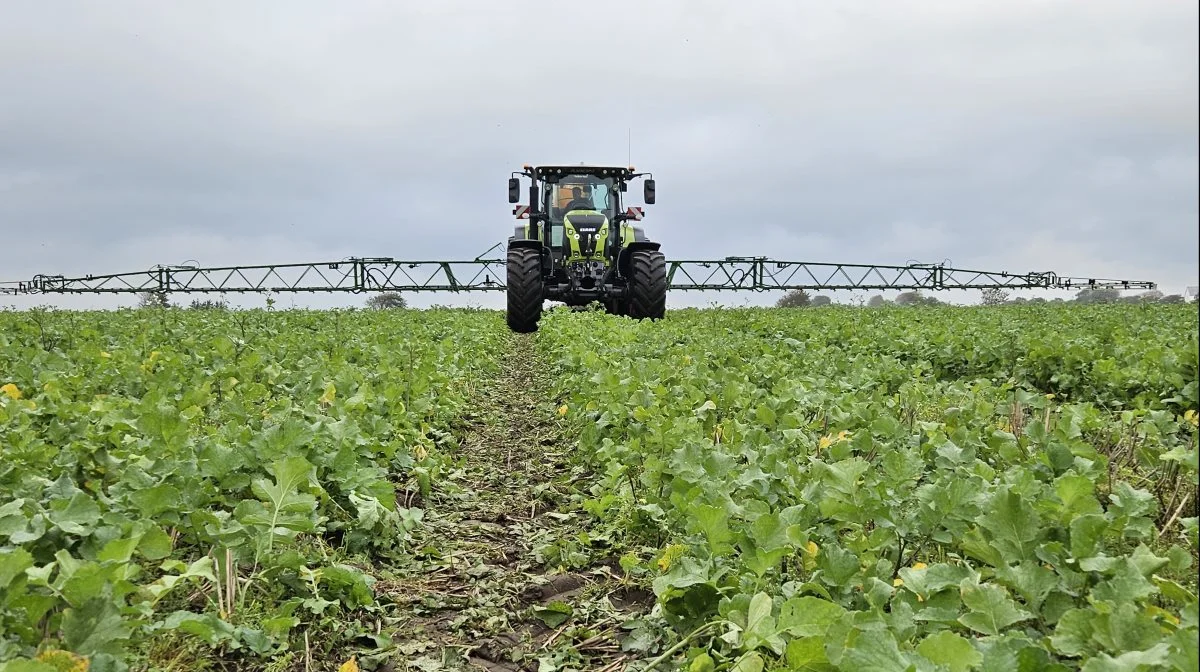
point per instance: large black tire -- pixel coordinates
(524, 289)
(647, 285)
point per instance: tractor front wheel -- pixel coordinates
(647, 285)
(524, 289)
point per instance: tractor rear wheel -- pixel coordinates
(647, 285)
(524, 289)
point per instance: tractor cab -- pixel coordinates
(592, 193)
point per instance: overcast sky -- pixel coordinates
(1020, 136)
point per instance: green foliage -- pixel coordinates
(205, 477)
(943, 489)
(923, 489)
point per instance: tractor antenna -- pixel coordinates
(628, 145)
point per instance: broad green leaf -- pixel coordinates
(1125, 628)
(1131, 661)
(760, 625)
(94, 627)
(27, 665)
(712, 521)
(13, 563)
(808, 616)
(838, 564)
(554, 614)
(12, 518)
(807, 654)
(1077, 493)
(751, 662)
(155, 544)
(991, 609)
(702, 663)
(1146, 561)
(1073, 633)
(1013, 524)
(1126, 585)
(77, 516)
(1086, 534)
(951, 650)
(155, 500)
(119, 550)
(1032, 581)
(208, 627)
(929, 580)
(1185, 649)
(874, 652)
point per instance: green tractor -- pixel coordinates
(579, 245)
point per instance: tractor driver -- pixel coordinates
(580, 199)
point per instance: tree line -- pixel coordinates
(799, 298)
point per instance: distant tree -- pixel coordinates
(208, 304)
(877, 301)
(1098, 296)
(1152, 296)
(1037, 299)
(797, 298)
(1018, 301)
(994, 296)
(153, 299)
(1172, 298)
(821, 300)
(387, 301)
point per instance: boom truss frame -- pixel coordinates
(386, 274)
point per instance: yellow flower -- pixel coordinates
(919, 565)
(1190, 416)
(829, 439)
(349, 666)
(63, 660)
(11, 391)
(562, 410)
(329, 395)
(897, 582)
(811, 549)
(669, 556)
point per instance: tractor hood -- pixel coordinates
(586, 234)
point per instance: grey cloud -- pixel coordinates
(1036, 136)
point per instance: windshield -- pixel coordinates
(580, 192)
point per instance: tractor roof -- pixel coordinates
(555, 170)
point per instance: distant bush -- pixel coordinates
(797, 298)
(387, 301)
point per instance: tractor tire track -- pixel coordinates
(480, 579)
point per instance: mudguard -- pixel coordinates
(524, 242)
(629, 249)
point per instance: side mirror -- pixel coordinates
(648, 192)
(514, 190)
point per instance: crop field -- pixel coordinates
(916, 489)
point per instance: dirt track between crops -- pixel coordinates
(471, 602)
